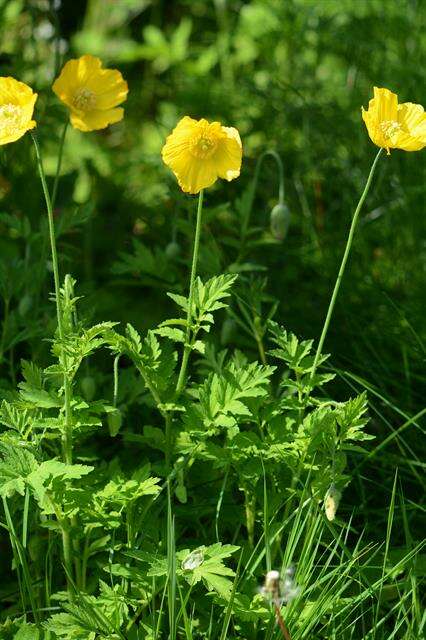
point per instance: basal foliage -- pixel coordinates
(250, 422)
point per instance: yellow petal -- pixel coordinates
(198, 152)
(385, 104)
(75, 75)
(229, 155)
(109, 88)
(91, 93)
(194, 175)
(406, 142)
(97, 119)
(17, 102)
(413, 120)
(373, 128)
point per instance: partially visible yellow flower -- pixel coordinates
(395, 126)
(199, 152)
(17, 102)
(91, 93)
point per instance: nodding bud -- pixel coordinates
(114, 422)
(173, 250)
(88, 387)
(331, 502)
(228, 332)
(279, 221)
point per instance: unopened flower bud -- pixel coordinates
(114, 422)
(279, 221)
(88, 387)
(173, 250)
(227, 333)
(331, 502)
(25, 304)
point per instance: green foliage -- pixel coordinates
(135, 507)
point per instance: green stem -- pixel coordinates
(52, 236)
(253, 187)
(66, 538)
(168, 420)
(115, 393)
(343, 265)
(187, 348)
(5, 327)
(59, 164)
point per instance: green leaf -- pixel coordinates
(177, 335)
(16, 467)
(223, 398)
(290, 349)
(27, 632)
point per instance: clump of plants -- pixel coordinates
(163, 521)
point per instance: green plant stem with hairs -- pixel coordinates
(59, 163)
(246, 219)
(343, 265)
(187, 348)
(67, 441)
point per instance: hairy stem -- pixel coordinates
(187, 348)
(343, 265)
(282, 625)
(59, 163)
(67, 442)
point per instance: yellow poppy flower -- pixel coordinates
(198, 152)
(17, 102)
(91, 93)
(395, 126)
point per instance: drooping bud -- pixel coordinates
(88, 387)
(280, 221)
(331, 502)
(172, 250)
(228, 331)
(25, 304)
(114, 422)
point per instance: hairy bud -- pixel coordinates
(279, 221)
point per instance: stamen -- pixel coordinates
(10, 119)
(84, 99)
(390, 128)
(203, 146)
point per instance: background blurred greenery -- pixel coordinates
(292, 77)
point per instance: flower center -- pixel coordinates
(84, 99)
(203, 146)
(10, 119)
(389, 128)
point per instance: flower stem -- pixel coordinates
(187, 348)
(343, 265)
(280, 621)
(52, 236)
(59, 163)
(67, 442)
(253, 187)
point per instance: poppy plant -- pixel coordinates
(17, 102)
(91, 92)
(199, 152)
(395, 126)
